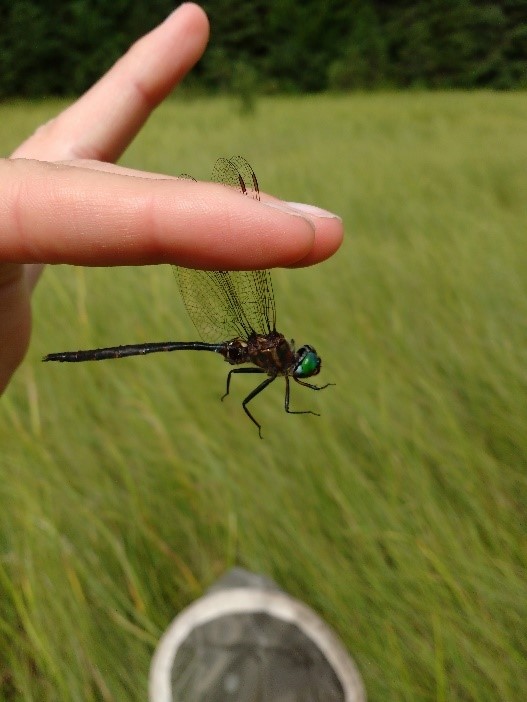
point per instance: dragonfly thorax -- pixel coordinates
(270, 352)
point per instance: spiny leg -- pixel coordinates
(252, 395)
(286, 402)
(306, 385)
(239, 370)
(313, 387)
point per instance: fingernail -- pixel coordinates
(284, 207)
(299, 209)
(312, 210)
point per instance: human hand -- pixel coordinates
(63, 201)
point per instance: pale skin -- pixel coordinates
(62, 200)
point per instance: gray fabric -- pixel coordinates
(239, 577)
(252, 658)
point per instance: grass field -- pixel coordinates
(400, 514)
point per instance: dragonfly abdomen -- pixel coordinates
(131, 350)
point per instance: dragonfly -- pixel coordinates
(234, 312)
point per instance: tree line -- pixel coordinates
(60, 47)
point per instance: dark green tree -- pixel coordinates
(62, 47)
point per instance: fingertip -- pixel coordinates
(329, 234)
(326, 231)
(192, 13)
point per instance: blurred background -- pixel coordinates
(61, 48)
(127, 487)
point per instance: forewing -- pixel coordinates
(228, 304)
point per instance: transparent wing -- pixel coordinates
(228, 304)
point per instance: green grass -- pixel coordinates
(126, 488)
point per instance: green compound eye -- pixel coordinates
(308, 364)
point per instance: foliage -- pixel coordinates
(60, 48)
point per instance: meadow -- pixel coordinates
(399, 514)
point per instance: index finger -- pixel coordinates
(54, 213)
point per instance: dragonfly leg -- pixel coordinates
(239, 370)
(252, 395)
(308, 385)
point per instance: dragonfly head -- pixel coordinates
(307, 362)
